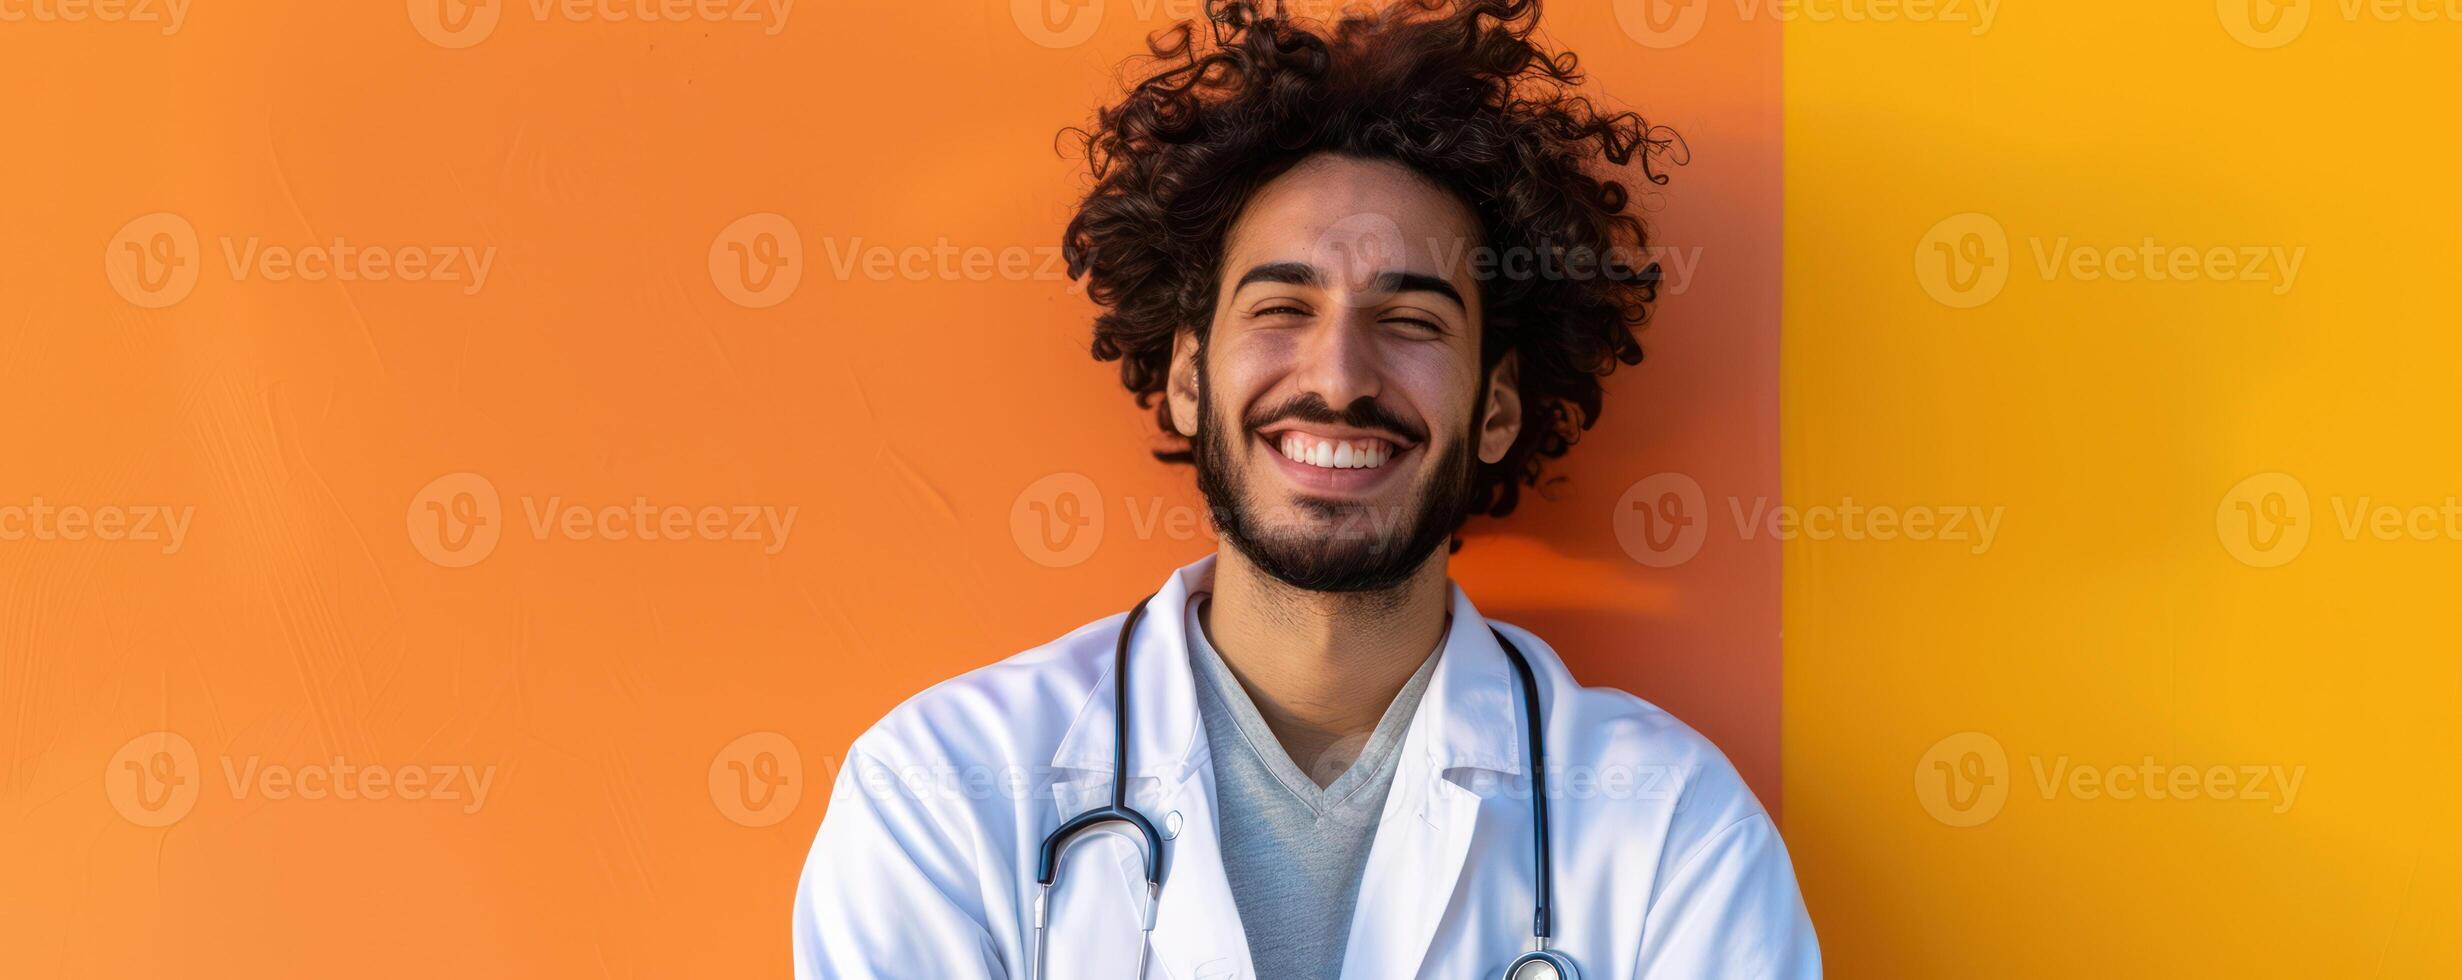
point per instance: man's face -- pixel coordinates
(1336, 408)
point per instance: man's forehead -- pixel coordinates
(1352, 217)
(1345, 198)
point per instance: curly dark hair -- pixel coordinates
(1459, 91)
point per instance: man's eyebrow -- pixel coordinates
(1417, 282)
(1303, 274)
(1286, 273)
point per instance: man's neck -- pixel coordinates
(1322, 667)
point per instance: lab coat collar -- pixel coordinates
(1164, 724)
(1469, 718)
(1472, 708)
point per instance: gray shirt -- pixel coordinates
(1294, 851)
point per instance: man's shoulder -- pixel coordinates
(1622, 745)
(1620, 726)
(1010, 710)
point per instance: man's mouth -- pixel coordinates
(1334, 454)
(1335, 461)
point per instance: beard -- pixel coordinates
(1328, 545)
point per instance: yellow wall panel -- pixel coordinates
(2091, 269)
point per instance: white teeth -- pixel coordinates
(1334, 454)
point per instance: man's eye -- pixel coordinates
(1417, 323)
(1279, 311)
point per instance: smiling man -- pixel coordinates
(1369, 275)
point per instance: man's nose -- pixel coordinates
(1340, 360)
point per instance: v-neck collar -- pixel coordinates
(1384, 742)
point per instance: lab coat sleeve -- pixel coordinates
(1731, 910)
(888, 891)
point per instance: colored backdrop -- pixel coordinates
(536, 439)
(2164, 285)
(475, 466)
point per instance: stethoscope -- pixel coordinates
(1117, 818)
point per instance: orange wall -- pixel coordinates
(310, 617)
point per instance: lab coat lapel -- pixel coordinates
(1467, 720)
(1411, 876)
(1197, 933)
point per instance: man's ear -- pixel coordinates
(1180, 385)
(1500, 421)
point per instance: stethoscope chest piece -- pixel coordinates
(1542, 964)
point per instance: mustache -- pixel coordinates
(1364, 413)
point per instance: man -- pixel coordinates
(1367, 273)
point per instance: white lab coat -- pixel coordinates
(1665, 864)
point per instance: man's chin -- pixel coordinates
(1331, 556)
(1342, 571)
(1301, 520)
